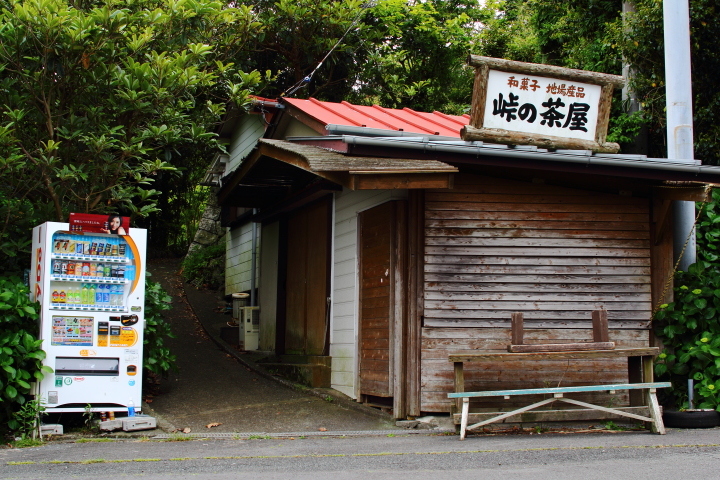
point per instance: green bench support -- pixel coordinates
(558, 394)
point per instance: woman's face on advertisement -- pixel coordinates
(114, 223)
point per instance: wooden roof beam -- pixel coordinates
(387, 181)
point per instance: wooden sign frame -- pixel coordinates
(476, 131)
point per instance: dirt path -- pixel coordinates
(213, 387)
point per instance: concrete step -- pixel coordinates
(309, 370)
(314, 376)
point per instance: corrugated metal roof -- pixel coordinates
(405, 120)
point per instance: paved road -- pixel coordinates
(680, 455)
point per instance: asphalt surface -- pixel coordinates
(217, 384)
(638, 455)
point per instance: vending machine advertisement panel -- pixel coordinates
(90, 283)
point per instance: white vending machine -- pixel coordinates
(90, 282)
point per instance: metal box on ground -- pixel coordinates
(249, 323)
(138, 422)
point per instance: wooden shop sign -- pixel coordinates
(519, 103)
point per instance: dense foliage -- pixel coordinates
(99, 99)
(157, 359)
(205, 267)
(20, 350)
(690, 326)
(393, 53)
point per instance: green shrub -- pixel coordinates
(157, 359)
(689, 326)
(205, 267)
(21, 355)
(690, 331)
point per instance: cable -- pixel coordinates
(308, 78)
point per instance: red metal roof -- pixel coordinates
(407, 120)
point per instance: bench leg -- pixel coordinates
(657, 425)
(464, 417)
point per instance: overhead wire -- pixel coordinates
(305, 80)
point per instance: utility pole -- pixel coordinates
(678, 91)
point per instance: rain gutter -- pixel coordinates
(577, 157)
(334, 129)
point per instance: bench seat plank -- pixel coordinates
(534, 356)
(551, 390)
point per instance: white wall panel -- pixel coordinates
(238, 259)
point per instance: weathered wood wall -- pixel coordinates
(376, 251)
(493, 247)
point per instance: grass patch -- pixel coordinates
(610, 425)
(259, 437)
(26, 443)
(93, 460)
(21, 463)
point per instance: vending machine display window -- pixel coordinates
(77, 331)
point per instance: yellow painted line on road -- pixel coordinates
(350, 455)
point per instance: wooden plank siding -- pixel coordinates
(382, 251)
(308, 279)
(494, 247)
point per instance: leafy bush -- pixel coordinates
(21, 355)
(690, 332)
(157, 359)
(689, 326)
(205, 267)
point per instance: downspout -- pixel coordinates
(253, 262)
(678, 93)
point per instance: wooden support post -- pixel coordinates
(459, 383)
(516, 323)
(657, 425)
(464, 417)
(600, 326)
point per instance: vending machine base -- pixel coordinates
(110, 425)
(51, 429)
(138, 422)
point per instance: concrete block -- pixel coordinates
(138, 422)
(110, 425)
(51, 429)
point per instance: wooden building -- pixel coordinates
(387, 243)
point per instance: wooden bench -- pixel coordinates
(558, 394)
